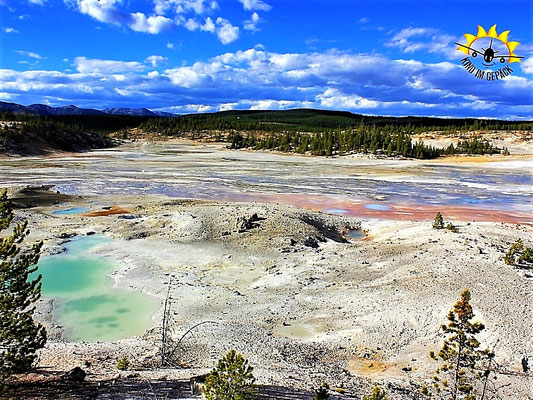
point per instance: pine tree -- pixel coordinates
(438, 223)
(322, 393)
(460, 373)
(232, 379)
(20, 336)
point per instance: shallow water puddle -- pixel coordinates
(356, 234)
(71, 211)
(293, 331)
(87, 305)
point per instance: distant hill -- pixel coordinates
(37, 137)
(309, 117)
(312, 120)
(44, 110)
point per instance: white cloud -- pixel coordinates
(156, 61)
(184, 6)
(208, 26)
(96, 66)
(225, 31)
(9, 29)
(152, 24)
(527, 65)
(414, 39)
(192, 24)
(277, 104)
(102, 10)
(38, 2)
(251, 24)
(255, 5)
(256, 78)
(109, 11)
(170, 45)
(30, 54)
(335, 99)
(6, 96)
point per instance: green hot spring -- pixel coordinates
(86, 304)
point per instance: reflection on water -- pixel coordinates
(86, 305)
(209, 172)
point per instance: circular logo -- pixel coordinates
(489, 53)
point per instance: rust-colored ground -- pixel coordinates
(103, 213)
(417, 212)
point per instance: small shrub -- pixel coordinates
(519, 255)
(438, 223)
(232, 379)
(322, 393)
(124, 364)
(377, 394)
(451, 227)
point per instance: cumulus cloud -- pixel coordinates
(184, 6)
(527, 65)
(152, 24)
(256, 78)
(156, 61)
(109, 11)
(225, 31)
(255, 5)
(96, 66)
(251, 24)
(335, 99)
(102, 10)
(8, 29)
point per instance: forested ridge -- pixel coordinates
(327, 133)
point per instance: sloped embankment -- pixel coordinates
(19, 139)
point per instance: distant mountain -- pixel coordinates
(144, 112)
(43, 109)
(136, 112)
(15, 108)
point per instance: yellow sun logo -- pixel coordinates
(490, 54)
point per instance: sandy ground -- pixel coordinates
(519, 143)
(297, 298)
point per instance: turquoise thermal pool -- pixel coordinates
(86, 304)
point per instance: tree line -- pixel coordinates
(317, 121)
(362, 140)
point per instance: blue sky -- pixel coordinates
(371, 57)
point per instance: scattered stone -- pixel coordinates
(525, 365)
(65, 235)
(76, 374)
(244, 224)
(311, 242)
